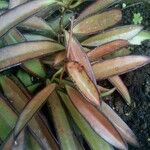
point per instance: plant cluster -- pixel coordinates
(51, 58)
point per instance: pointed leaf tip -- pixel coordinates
(97, 22)
(32, 107)
(83, 82)
(119, 65)
(96, 119)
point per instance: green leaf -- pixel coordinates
(139, 38)
(3, 4)
(24, 77)
(99, 123)
(124, 32)
(35, 67)
(95, 141)
(64, 132)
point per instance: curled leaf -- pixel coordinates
(105, 49)
(97, 22)
(76, 53)
(124, 32)
(15, 54)
(32, 107)
(83, 82)
(96, 119)
(117, 66)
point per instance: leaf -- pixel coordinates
(62, 126)
(97, 120)
(96, 142)
(97, 22)
(32, 107)
(106, 49)
(119, 53)
(120, 125)
(75, 52)
(124, 32)
(12, 55)
(98, 5)
(14, 3)
(35, 67)
(3, 4)
(54, 23)
(83, 82)
(118, 66)
(37, 24)
(7, 118)
(34, 37)
(59, 58)
(24, 77)
(20, 13)
(36, 125)
(139, 38)
(121, 88)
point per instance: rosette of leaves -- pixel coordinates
(50, 61)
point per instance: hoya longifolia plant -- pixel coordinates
(51, 58)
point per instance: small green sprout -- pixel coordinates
(137, 18)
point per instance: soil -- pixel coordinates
(137, 116)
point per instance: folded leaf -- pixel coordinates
(83, 82)
(75, 52)
(32, 107)
(117, 66)
(96, 142)
(105, 49)
(15, 54)
(124, 32)
(121, 88)
(120, 125)
(97, 22)
(100, 124)
(20, 13)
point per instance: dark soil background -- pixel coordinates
(137, 116)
